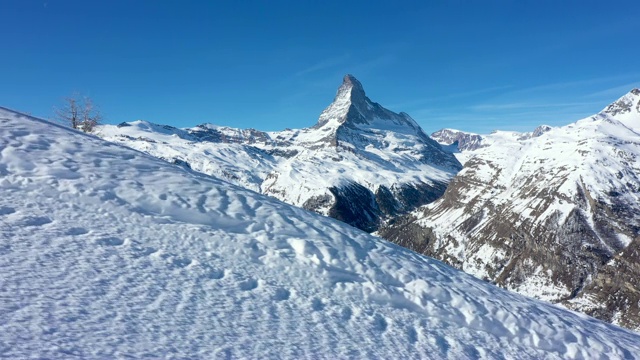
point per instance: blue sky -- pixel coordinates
(471, 65)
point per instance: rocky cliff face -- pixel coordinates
(361, 163)
(554, 216)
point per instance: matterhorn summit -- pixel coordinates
(353, 110)
(348, 104)
(360, 163)
(352, 107)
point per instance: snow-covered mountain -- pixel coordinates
(553, 214)
(457, 141)
(460, 140)
(106, 252)
(360, 163)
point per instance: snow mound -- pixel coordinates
(106, 252)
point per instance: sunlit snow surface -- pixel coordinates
(109, 253)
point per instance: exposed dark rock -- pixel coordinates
(229, 135)
(182, 163)
(355, 205)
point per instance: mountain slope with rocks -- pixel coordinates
(460, 140)
(553, 214)
(361, 163)
(461, 143)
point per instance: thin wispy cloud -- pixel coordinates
(450, 96)
(509, 116)
(325, 64)
(574, 84)
(373, 64)
(613, 92)
(485, 123)
(334, 69)
(555, 104)
(523, 106)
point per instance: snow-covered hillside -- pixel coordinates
(361, 163)
(553, 214)
(106, 252)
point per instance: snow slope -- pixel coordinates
(106, 252)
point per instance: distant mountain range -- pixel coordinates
(361, 163)
(553, 213)
(458, 141)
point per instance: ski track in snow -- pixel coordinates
(109, 253)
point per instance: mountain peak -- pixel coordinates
(349, 98)
(628, 103)
(350, 81)
(352, 108)
(351, 89)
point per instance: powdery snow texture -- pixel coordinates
(106, 252)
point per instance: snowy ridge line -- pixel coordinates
(106, 252)
(6, 109)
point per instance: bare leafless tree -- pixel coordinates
(69, 113)
(90, 115)
(80, 113)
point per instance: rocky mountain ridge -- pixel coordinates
(457, 140)
(554, 216)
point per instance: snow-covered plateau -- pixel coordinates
(106, 252)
